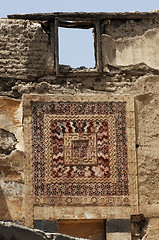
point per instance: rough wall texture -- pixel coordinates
(129, 28)
(145, 91)
(24, 68)
(23, 50)
(11, 159)
(132, 50)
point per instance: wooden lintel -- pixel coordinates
(56, 46)
(98, 47)
(52, 44)
(78, 16)
(76, 24)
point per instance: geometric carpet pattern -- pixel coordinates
(79, 152)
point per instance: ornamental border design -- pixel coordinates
(91, 159)
(117, 207)
(48, 149)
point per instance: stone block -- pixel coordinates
(118, 225)
(118, 236)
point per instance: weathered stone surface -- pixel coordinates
(11, 159)
(11, 118)
(19, 40)
(130, 56)
(146, 95)
(152, 231)
(7, 141)
(118, 236)
(128, 51)
(130, 27)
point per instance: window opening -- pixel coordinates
(76, 48)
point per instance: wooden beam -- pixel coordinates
(77, 24)
(52, 44)
(98, 47)
(79, 16)
(56, 46)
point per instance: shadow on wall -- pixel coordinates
(4, 211)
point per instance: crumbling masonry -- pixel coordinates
(79, 147)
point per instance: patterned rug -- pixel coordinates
(79, 152)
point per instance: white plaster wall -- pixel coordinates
(128, 51)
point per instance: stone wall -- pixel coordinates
(23, 50)
(25, 68)
(132, 50)
(122, 28)
(11, 158)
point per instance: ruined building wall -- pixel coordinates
(23, 49)
(132, 42)
(130, 67)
